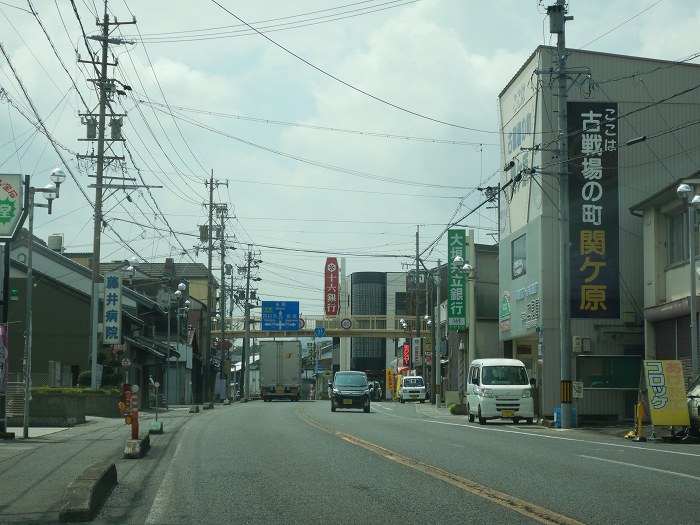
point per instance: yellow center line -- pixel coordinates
(530, 510)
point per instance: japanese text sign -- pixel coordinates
(11, 191)
(666, 392)
(457, 302)
(280, 316)
(331, 298)
(594, 209)
(112, 332)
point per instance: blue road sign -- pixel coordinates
(281, 316)
(319, 331)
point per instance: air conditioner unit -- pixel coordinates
(577, 344)
(55, 242)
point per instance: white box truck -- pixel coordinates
(280, 370)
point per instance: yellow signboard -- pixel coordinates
(666, 392)
(389, 381)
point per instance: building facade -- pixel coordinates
(612, 100)
(668, 276)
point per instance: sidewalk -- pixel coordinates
(37, 470)
(609, 429)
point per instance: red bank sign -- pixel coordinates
(331, 298)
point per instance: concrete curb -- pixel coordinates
(137, 448)
(84, 496)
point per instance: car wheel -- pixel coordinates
(470, 416)
(516, 420)
(422, 401)
(366, 409)
(482, 420)
(528, 420)
(401, 400)
(332, 406)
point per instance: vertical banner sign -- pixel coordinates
(10, 204)
(390, 382)
(112, 333)
(406, 354)
(666, 391)
(594, 209)
(417, 357)
(4, 358)
(457, 281)
(331, 298)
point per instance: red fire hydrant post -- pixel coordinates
(134, 412)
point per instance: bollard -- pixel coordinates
(135, 412)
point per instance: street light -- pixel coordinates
(133, 264)
(470, 272)
(51, 192)
(685, 193)
(178, 295)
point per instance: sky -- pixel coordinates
(330, 128)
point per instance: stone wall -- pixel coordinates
(66, 410)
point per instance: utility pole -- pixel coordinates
(206, 386)
(251, 263)
(557, 22)
(437, 365)
(225, 364)
(415, 291)
(96, 130)
(245, 369)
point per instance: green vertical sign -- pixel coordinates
(457, 302)
(11, 199)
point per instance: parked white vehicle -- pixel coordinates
(412, 388)
(499, 388)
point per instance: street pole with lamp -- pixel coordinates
(437, 338)
(685, 192)
(51, 192)
(169, 388)
(182, 315)
(178, 295)
(470, 273)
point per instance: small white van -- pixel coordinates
(412, 388)
(499, 388)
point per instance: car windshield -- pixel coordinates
(350, 380)
(504, 375)
(413, 381)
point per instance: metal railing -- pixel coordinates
(341, 326)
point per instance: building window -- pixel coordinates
(678, 239)
(606, 371)
(519, 257)
(400, 299)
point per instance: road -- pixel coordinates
(285, 462)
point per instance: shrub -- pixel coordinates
(85, 378)
(112, 379)
(452, 408)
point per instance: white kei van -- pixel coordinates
(499, 388)
(412, 388)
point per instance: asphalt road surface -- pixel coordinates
(285, 462)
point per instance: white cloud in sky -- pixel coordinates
(445, 59)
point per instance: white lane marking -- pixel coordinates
(160, 503)
(679, 474)
(562, 438)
